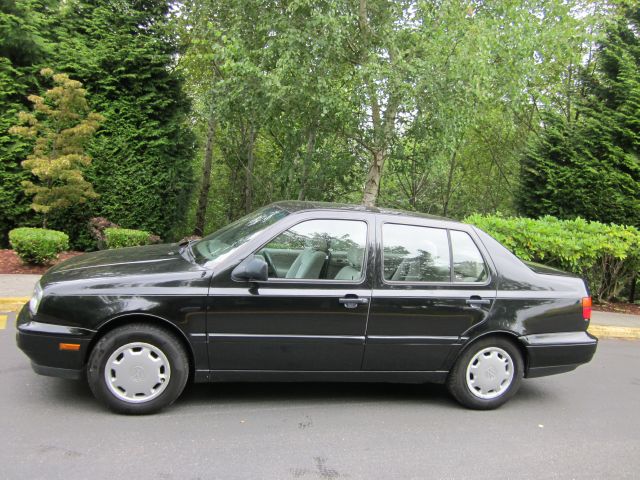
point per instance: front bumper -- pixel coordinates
(41, 343)
(551, 353)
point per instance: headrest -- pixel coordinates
(355, 256)
(318, 243)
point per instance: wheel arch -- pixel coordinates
(128, 318)
(505, 334)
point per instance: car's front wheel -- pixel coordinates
(138, 369)
(487, 374)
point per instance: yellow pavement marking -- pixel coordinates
(10, 308)
(610, 331)
(4, 300)
(12, 304)
(3, 322)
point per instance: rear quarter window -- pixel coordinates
(468, 264)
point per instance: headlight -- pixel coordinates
(35, 299)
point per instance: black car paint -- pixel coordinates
(297, 329)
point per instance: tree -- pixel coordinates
(267, 76)
(586, 161)
(125, 51)
(23, 50)
(61, 124)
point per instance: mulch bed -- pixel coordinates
(11, 263)
(618, 307)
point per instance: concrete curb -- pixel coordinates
(612, 331)
(14, 304)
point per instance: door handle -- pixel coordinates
(477, 300)
(353, 302)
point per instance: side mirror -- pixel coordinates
(252, 268)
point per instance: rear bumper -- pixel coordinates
(41, 343)
(551, 353)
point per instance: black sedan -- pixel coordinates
(300, 291)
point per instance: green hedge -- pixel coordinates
(608, 256)
(38, 245)
(125, 237)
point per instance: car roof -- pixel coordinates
(294, 206)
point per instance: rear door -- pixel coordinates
(433, 283)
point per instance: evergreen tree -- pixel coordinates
(22, 50)
(587, 164)
(124, 51)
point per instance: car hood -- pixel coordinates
(149, 259)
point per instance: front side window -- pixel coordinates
(318, 250)
(415, 254)
(468, 265)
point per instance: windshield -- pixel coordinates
(228, 238)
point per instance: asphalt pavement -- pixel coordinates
(583, 424)
(17, 285)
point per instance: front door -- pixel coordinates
(310, 315)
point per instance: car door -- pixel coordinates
(308, 316)
(433, 284)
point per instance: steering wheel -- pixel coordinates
(273, 273)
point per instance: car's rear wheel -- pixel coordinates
(138, 369)
(487, 374)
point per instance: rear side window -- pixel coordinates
(468, 265)
(415, 254)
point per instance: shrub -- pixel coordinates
(97, 226)
(38, 245)
(608, 256)
(125, 237)
(154, 239)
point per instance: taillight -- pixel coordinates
(586, 308)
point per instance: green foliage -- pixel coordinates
(61, 125)
(124, 52)
(143, 155)
(38, 245)
(22, 48)
(308, 96)
(421, 105)
(606, 255)
(125, 237)
(586, 161)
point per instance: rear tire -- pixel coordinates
(487, 374)
(138, 369)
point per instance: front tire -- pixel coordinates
(138, 369)
(487, 374)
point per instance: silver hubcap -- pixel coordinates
(137, 372)
(490, 373)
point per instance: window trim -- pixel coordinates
(323, 281)
(427, 283)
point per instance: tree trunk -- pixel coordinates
(203, 200)
(248, 178)
(448, 192)
(372, 185)
(383, 123)
(306, 166)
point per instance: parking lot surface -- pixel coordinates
(584, 424)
